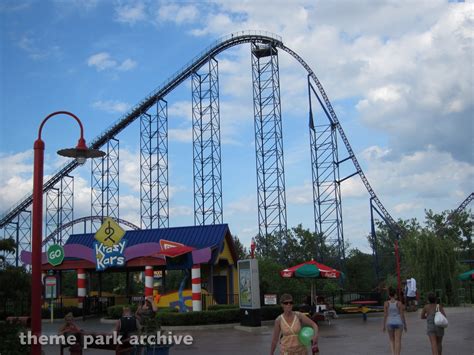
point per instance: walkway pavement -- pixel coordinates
(346, 335)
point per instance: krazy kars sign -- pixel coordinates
(109, 256)
(109, 247)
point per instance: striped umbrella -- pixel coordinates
(468, 275)
(313, 270)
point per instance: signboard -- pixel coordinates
(109, 247)
(109, 233)
(50, 284)
(270, 299)
(249, 288)
(55, 254)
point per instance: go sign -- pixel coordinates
(55, 254)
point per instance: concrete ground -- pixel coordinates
(345, 335)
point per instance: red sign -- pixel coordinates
(167, 244)
(50, 281)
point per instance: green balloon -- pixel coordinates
(305, 335)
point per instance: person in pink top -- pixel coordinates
(288, 325)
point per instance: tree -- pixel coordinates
(295, 246)
(360, 272)
(7, 246)
(433, 261)
(242, 252)
(272, 282)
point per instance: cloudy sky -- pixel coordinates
(398, 73)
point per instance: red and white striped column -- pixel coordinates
(196, 287)
(81, 286)
(148, 281)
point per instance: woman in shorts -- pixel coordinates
(394, 322)
(435, 333)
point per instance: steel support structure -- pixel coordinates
(52, 214)
(11, 231)
(20, 231)
(154, 188)
(207, 145)
(105, 185)
(271, 197)
(375, 243)
(326, 186)
(66, 208)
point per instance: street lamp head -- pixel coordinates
(81, 153)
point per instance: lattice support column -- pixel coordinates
(207, 146)
(105, 185)
(52, 214)
(66, 208)
(11, 231)
(268, 141)
(154, 188)
(326, 187)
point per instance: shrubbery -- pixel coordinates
(216, 307)
(10, 343)
(270, 312)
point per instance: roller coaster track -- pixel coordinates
(460, 208)
(82, 220)
(217, 47)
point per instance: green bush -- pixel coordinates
(270, 312)
(10, 343)
(216, 307)
(115, 312)
(168, 310)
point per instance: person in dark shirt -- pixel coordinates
(127, 325)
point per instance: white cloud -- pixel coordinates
(131, 13)
(18, 164)
(126, 65)
(111, 106)
(246, 204)
(427, 175)
(36, 50)
(180, 135)
(177, 211)
(178, 14)
(181, 109)
(103, 61)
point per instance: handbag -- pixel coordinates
(440, 320)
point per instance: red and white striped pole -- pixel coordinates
(196, 287)
(148, 281)
(81, 286)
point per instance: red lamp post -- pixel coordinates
(81, 153)
(252, 248)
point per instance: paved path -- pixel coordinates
(344, 336)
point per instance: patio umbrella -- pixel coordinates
(468, 275)
(313, 270)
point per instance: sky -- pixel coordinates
(399, 75)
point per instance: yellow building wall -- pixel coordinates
(227, 255)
